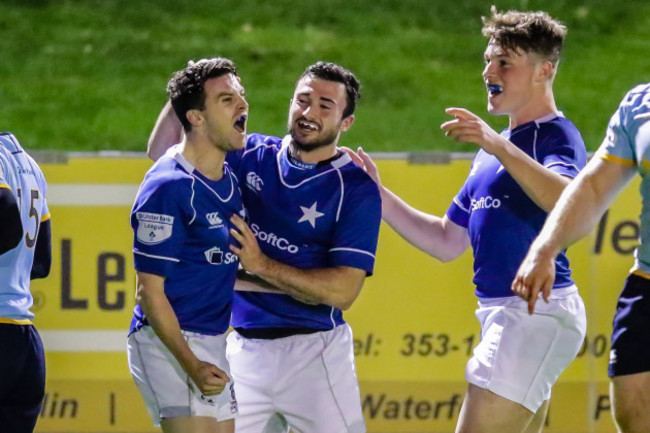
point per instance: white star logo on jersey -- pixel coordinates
(310, 214)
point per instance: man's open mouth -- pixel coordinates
(240, 124)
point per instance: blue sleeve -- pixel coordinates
(159, 226)
(617, 144)
(627, 128)
(357, 229)
(563, 151)
(459, 209)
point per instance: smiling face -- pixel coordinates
(223, 118)
(514, 80)
(316, 113)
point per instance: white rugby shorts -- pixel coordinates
(307, 382)
(520, 356)
(167, 390)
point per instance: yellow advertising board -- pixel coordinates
(414, 322)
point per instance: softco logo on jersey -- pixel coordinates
(214, 220)
(273, 239)
(215, 256)
(253, 181)
(486, 202)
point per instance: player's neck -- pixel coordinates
(313, 156)
(536, 108)
(206, 158)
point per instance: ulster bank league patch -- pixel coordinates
(154, 228)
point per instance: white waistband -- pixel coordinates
(555, 294)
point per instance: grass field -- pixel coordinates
(90, 74)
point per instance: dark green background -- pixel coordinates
(90, 75)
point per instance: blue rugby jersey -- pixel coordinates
(181, 222)
(628, 142)
(501, 219)
(20, 173)
(308, 218)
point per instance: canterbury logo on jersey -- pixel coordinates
(273, 239)
(213, 219)
(253, 181)
(486, 202)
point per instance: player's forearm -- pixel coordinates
(163, 321)
(582, 204)
(166, 132)
(337, 287)
(426, 232)
(542, 185)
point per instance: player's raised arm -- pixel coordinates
(542, 185)
(166, 132)
(439, 237)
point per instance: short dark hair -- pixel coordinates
(529, 32)
(186, 89)
(337, 73)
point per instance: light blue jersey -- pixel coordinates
(20, 173)
(501, 219)
(628, 142)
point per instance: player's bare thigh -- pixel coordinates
(485, 412)
(630, 396)
(196, 424)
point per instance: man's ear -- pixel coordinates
(194, 117)
(545, 71)
(346, 123)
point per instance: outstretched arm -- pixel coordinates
(577, 212)
(439, 237)
(166, 132)
(150, 294)
(542, 185)
(337, 286)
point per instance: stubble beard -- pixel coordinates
(323, 141)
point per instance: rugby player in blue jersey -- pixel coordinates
(515, 179)
(25, 254)
(624, 152)
(314, 223)
(185, 273)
